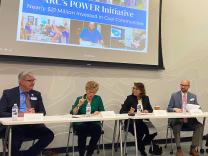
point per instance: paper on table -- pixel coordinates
(79, 116)
(195, 111)
(108, 113)
(192, 108)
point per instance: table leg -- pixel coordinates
(114, 135)
(125, 137)
(121, 142)
(10, 141)
(73, 150)
(68, 140)
(201, 143)
(135, 137)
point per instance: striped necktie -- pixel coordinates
(27, 100)
(184, 101)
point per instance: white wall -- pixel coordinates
(184, 32)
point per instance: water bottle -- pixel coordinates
(139, 108)
(88, 109)
(15, 112)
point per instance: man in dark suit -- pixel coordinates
(178, 100)
(28, 101)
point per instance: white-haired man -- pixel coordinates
(28, 101)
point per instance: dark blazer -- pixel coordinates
(131, 101)
(12, 96)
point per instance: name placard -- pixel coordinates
(107, 114)
(33, 116)
(160, 112)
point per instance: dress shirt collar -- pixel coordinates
(21, 91)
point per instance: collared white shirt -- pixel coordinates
(140, 103)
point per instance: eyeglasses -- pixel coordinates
(184, 85)
(32, 80)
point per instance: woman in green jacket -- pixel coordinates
(85, 129)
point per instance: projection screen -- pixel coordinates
(110, 31)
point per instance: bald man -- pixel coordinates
(177, 101)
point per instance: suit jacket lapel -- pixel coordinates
(188, 97)
(180, 98)
(17, 93)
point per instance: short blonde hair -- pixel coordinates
(23, 74)
(92, 85)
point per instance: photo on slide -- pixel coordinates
(36, 28)
(89, 34)
(127, 38)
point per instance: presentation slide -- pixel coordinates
(54, 21)
(117, 31)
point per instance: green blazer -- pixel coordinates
(96, 105)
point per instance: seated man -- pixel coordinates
(178, 100)
(90, 36)
(28, 101)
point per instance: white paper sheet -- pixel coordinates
(192, 108)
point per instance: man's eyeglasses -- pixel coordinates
(184, 85)
(32, 80)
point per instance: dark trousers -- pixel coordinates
(33, 132)
(84, 130)
(143, 136)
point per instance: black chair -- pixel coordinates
(121, 123)
(183, 129)
(73, 132)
